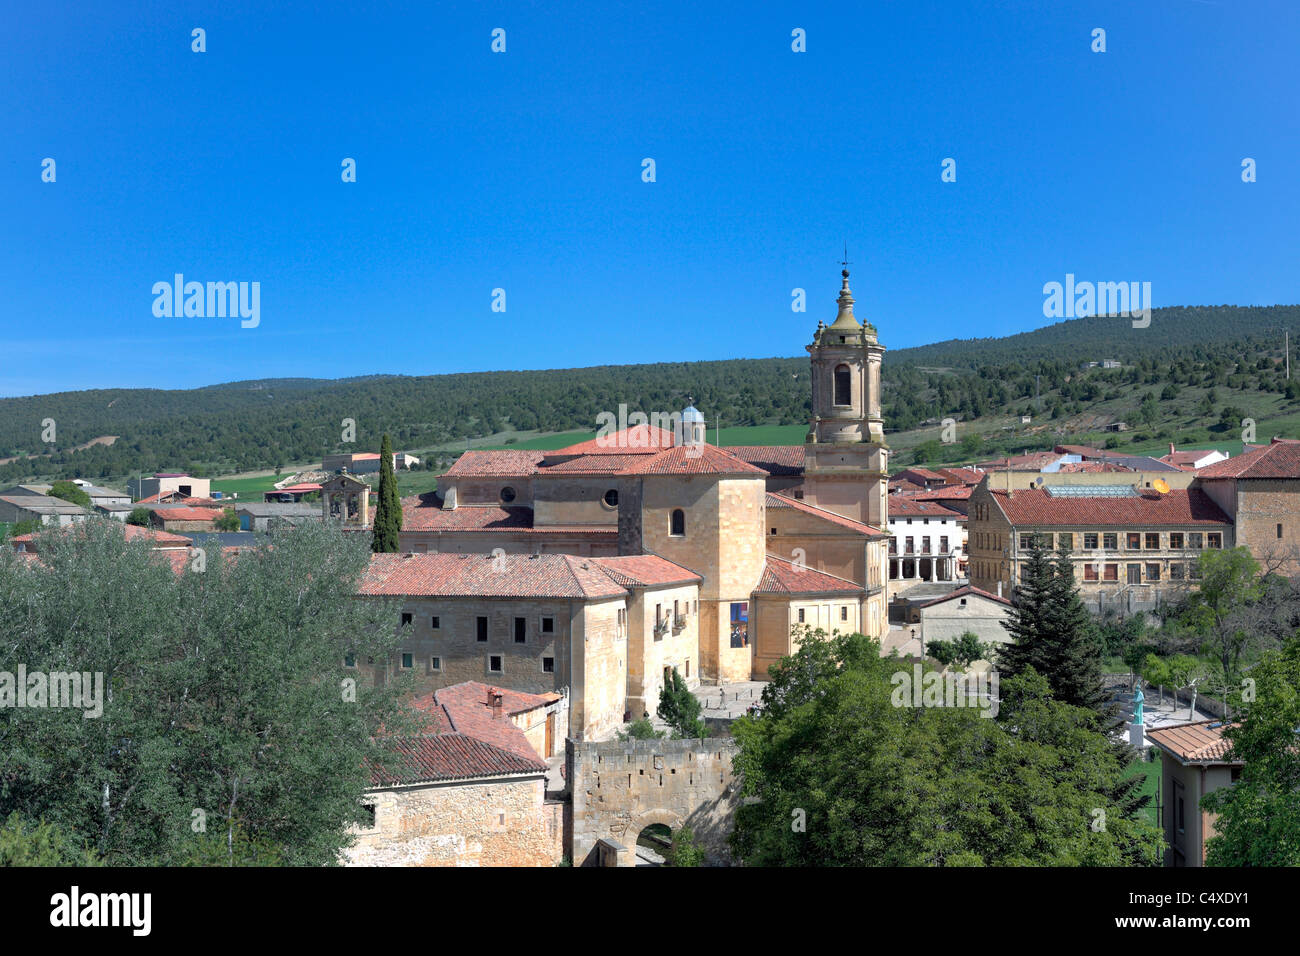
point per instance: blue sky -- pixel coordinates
(522, 171)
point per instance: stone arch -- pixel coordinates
(645, 818)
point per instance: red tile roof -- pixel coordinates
(942, 493)
(483, 575)
(775, 500)
(637, 440)
(425, 513)
(1092, 467)
(1200, 742)
(432, 757)
(962, 476)
(1032, 461)
(1035, 506)
(159, 539)
(496, 464)
(694, 460)
(465, 708)
(914, 506)
(965, 591)
(592, 465)
(784, 577)
(923, 473)
(646, 570)
(1280, 459)
(780, 461)
(188, 514)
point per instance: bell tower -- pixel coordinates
(845, 456)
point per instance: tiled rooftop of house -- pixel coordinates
(785, 577)
(425, 513)
(486, 575)
(1200, 742)
(1038, 506)
(1279, 459)
(646, 570)
(779, 461)
(916, 506)
(777, 500)
(966, 591)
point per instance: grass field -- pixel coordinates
(246, 487)
(1150, 771)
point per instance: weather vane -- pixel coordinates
(845, 263)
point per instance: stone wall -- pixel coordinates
(621, 787)
(489, 822)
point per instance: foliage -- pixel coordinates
(227, 520)
(1230, 582)
(962, 652)
(1259, 816)
(641, 729)
(844, 777)
(139, 516)
(680, 709)
(226, 694)
(685, 851)
(22, 844)
(70, 491)
(385, 537)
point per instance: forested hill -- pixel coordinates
(1186, 355)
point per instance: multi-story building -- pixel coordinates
(927, 543)
(1259, 490)
(1132, 548)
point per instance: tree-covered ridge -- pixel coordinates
(1190, 375)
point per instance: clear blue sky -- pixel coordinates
(522, 171)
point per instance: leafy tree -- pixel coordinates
(70, 491)
(24, 844)
(640, 729)
(680, 709)
(1230, 581)
(685, 851)
(386, 538)
(227, 521)
(1259, 815)
(226, 695)
(963, 651)
(1155, 671)
(139, 516)
(845, 777)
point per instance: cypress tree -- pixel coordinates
(388, 512)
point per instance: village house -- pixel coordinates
(1259, 491)
(16, 508)
(927, 543)
(1197, 761)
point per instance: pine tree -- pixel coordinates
(388, 513)
(1053, 633)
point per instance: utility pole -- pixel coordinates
(1286, 348)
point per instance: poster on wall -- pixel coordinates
(740, 624)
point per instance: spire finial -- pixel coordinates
(845, 262)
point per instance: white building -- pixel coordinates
(927, 542)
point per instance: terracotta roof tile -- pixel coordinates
(964, 591)
(425, 513)
(646, 570)
(637, 440)
(483, 575)
(915, 506)
(784, 577)
(1200, 742)
(496, 464)
(694, 460)
(1280, 459)
(780, 461)
(1036, 506)
(775, 500)
(451, 756)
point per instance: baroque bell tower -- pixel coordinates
(845, 456)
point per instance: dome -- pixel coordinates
(691, 414)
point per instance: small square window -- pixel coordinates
(435, 623)
(494, 663)
(435, 663)
(349, 660)
(548, 625)
(408, 661)
(548, 665)
(369, 817)
(407, 617)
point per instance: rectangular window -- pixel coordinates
(408, 661)
(349, 660)
(1214, 539)
(1026, 542)
(521, 630)
(1110, 572)
(1153, 541)
(1132, 541)
(1090, 571)
(1066, 540)
(548, 625)
(435, 663)
(1135, 574)
(435, 623)
(1193, 572)
(943, 544)
(1279, 531)
(1175, 541)
(1175, 571)
(800, 615)
(1195, 540)
(1090, 541)
(548, 665)
(494, 663)
(1110, 541)
(480, 625)
(1153, 571)
(925, 544)
(844, 612)
(407, 617)
(368, 816)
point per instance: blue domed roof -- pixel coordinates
(691, 414)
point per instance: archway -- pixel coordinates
(654, 830)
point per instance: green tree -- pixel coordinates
(846, 777)
(640, 729)
(226, 695)
(139, 516)
(1230, 582)
(1259, 815)
(962, 652)
(1155, 671)
(227, 521)
(1052, 632)
(24, 844)
(70, 491)
(680, 709)
(386, 537)
(685, 851)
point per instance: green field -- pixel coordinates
(246, 487)
(1150, 771)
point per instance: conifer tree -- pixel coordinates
(388, 512)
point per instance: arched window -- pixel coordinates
(843, 386)
(679, 522)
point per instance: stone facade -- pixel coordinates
(1266, 517)
(621, 787)
(663, 633)
(484, 822)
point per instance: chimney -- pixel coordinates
(496, 702)
(1171, 448)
